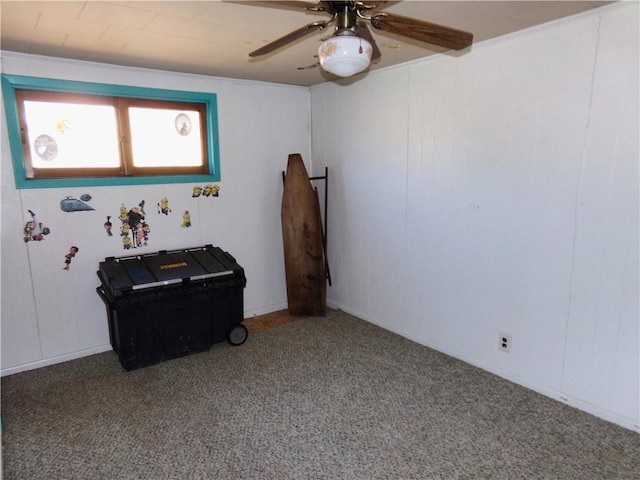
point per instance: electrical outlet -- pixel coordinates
(505, 342)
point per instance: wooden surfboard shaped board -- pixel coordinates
(302, 238)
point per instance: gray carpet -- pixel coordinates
(320, 398)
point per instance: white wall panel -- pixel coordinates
(516, 204)
(603, 328)
(20, 339)
(365, 148)
(51, 315)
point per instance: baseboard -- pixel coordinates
(53, 360)
(595, 410)
(104, 348)
(264, 310)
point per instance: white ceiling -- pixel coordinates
(214, 38)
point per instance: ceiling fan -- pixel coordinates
(351, 48)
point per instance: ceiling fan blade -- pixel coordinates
(289, 38)
(309, 67)
(364, 32)
(286, 5)
(422, 31)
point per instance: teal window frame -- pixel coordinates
(11, 83)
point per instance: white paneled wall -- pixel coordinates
(604, 326)
(497, 192)
(51, 315)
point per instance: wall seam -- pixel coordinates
(576, 204)
(33, 288)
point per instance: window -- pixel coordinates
(73, 133)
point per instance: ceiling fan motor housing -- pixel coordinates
(346, 18)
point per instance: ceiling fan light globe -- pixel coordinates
(345, 56)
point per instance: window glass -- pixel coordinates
(165, 138)
(69, 135)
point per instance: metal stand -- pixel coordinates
(324, 226)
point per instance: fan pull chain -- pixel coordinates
(360, 49)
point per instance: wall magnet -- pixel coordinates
(70, 204)
(186, 219)
(163, 206)
(67, 258)
(108, 225)
(34, 230)
(211, 190)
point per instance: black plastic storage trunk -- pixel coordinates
(172, 303)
